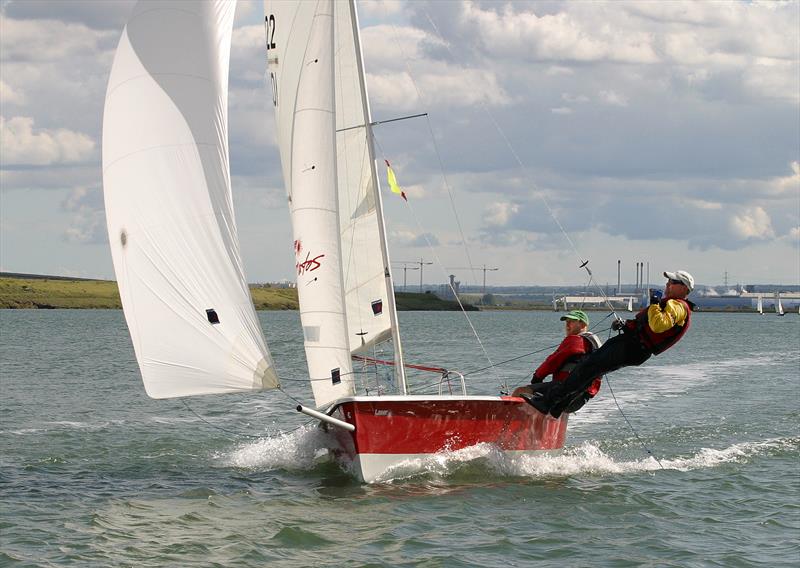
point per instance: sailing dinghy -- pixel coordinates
(778, 305)
(176, 253)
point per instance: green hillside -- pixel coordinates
(58, 292)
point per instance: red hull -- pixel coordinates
(417, 425)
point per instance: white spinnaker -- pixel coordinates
(368, 302)
(169, 209)
(300, 53)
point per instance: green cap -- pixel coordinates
(579, 315)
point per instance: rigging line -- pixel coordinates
(448, 187)
(387, 121)
(583, 262)
(432, 250)
(628, 422)
(238, 434)
(512, 359)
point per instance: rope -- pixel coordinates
(242, 434)
(439, 263)
(583, 263)
(628, 422)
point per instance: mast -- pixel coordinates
(400, 371)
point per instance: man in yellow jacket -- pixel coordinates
(654, 330)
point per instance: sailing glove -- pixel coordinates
(618, 325)
(655, 296)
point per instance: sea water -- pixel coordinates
(701, 470)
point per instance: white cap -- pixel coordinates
(681, 276)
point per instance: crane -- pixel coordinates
(406, 268)
(485, 270)
(419, 262)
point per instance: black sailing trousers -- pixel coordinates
(624, 350)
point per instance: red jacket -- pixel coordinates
(572, 347)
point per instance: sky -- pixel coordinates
(657, 132)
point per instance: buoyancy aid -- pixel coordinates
(591, 342)
(657, 343)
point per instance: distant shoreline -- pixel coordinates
(58, 292)
(18, 291)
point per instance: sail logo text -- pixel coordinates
(309, 264)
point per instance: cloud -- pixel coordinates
(612, 98)
(22, 145)
(753, 223)
(570, 98)
(381, 7)
(87, 216)
(558, 36)
(434, 82)
(10, 95)
(91, 13)
(499, 214)
(53, 39)
(408, 238)
(561, 110)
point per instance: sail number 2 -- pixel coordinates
(269, 26)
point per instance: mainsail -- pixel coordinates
(169, 209)
(325, 139)
(368, 301)
(300, 54)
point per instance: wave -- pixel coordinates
(307, 447)
(587, 458)
(649, 382)
(65, 425)
(301, 449)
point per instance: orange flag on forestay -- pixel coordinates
(393, 181)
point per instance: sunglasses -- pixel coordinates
(671, 281)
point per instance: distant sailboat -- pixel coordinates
(778, 304)
(630, 304)
(760, 306)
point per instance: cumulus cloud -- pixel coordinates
(786, 185)
(570, 98)
(93, 14)
(794, 236)
(499, 214)
(381, 7)
(613, 98)
(434, 82)
(753, 223)
(611, 106)
(407, 238)
(87, 216)
(559, 36)
(10, 95)
(22, 145)
(53, 39)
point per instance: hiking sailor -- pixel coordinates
(577, 343)
(654, 330)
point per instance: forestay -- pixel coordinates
(301, 70)
(169, 209)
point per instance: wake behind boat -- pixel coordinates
(176, 251)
